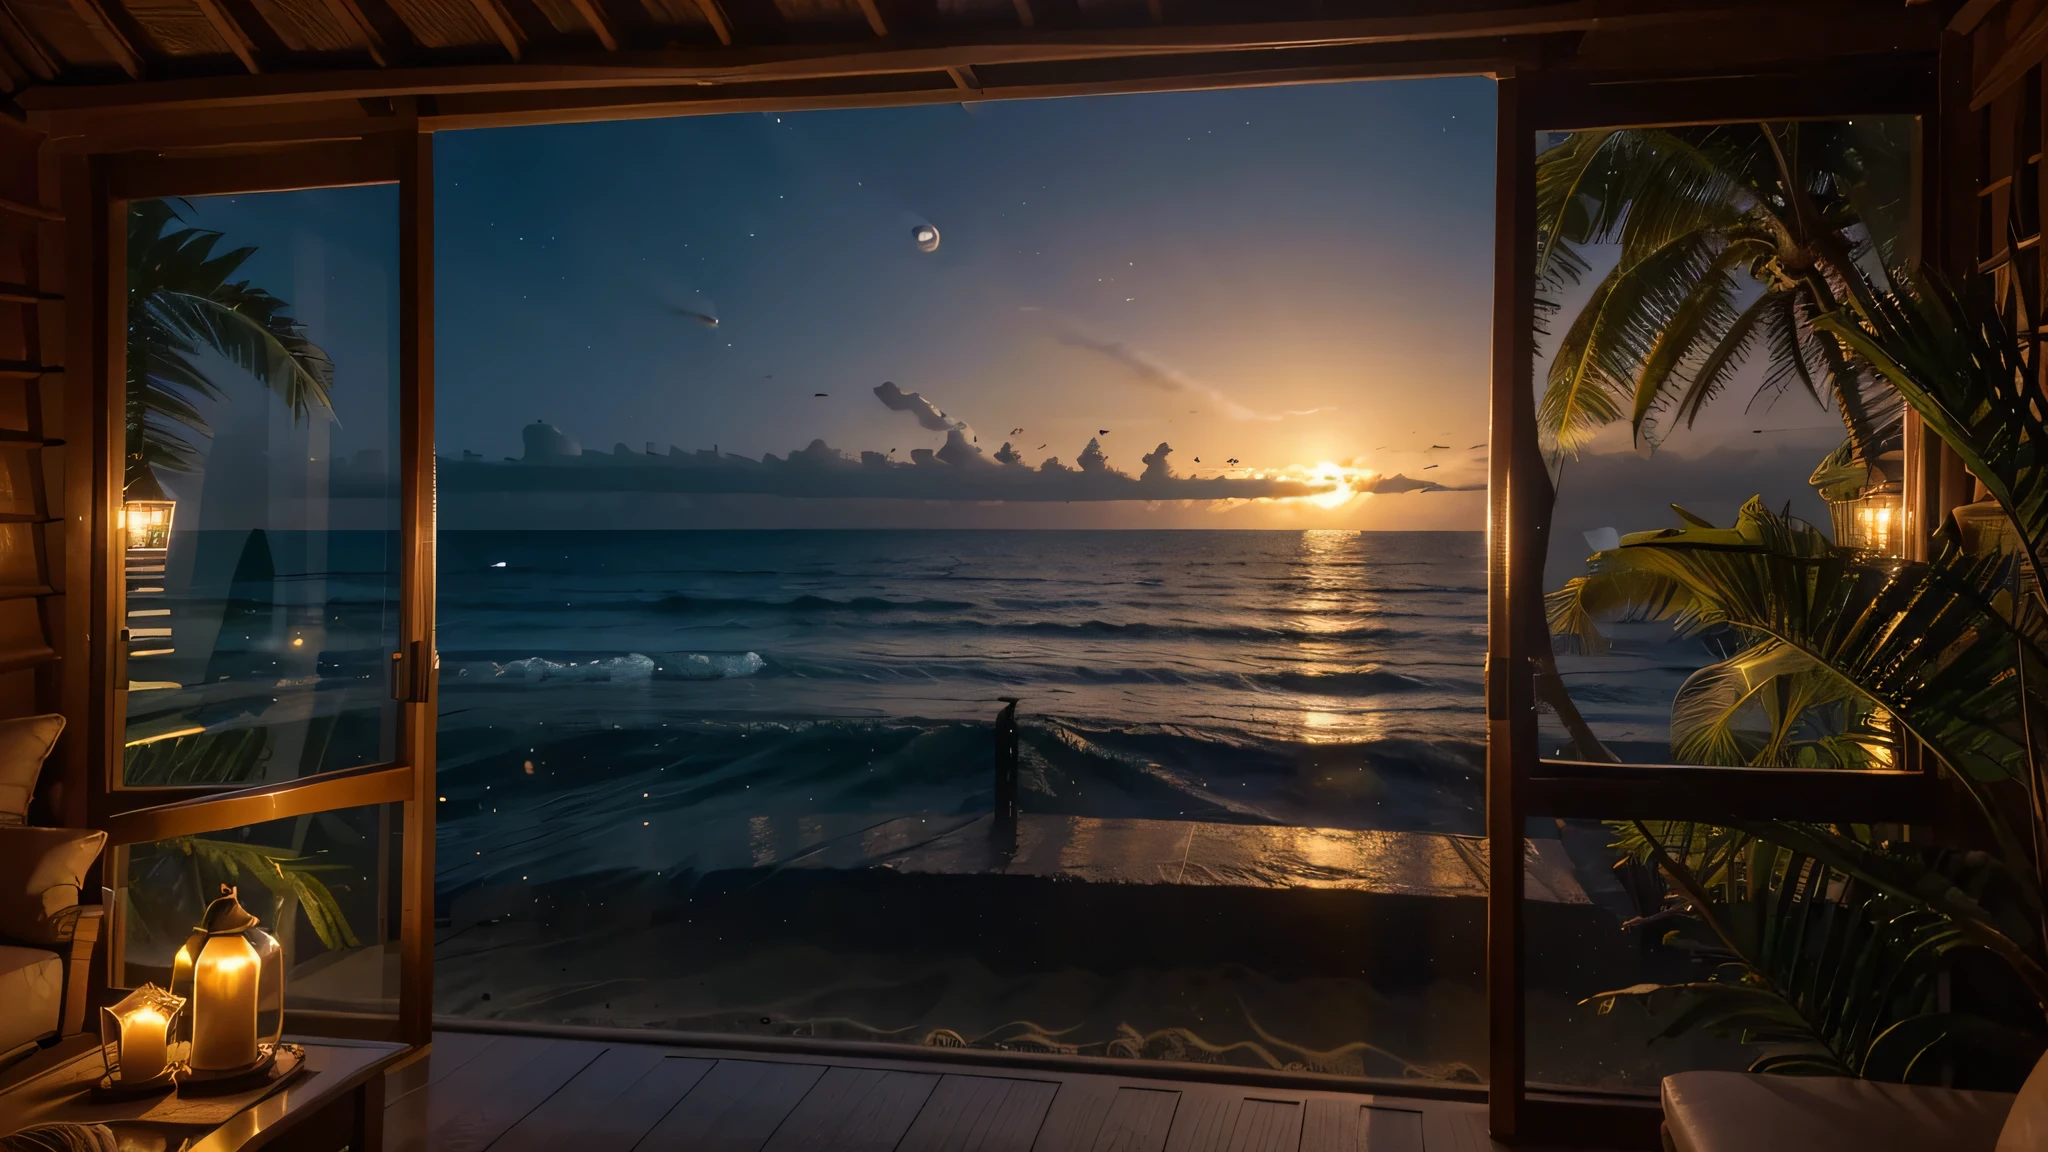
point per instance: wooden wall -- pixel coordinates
(31, 417)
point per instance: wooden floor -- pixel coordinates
(523, 1094)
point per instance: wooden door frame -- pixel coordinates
(1520, 781)
(97, 188)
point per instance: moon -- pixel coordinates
(926, 237)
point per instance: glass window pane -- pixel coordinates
(758, 495)
(1683, 390)
(326, 885)
(1599, 940)
(261, 512)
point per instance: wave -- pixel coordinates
(632, 668)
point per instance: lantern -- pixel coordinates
(135, 1039)
(146, 513)
(232, 971)
(1873, 522)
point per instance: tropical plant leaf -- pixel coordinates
(286, 875)
(1812, 966)
(1923, 642)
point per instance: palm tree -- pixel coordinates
(184, 304)
(1728, 240)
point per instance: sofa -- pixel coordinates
(1743, 1112)
(46, 935)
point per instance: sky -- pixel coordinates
(1283, 276)
(1270, 281)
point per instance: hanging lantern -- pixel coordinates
(232, 971)
(1873, 522)
(136, 1039)
(146, 513)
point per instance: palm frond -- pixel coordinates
(1952, 357)
(284, 874)
(1923, 642)
(1810, 965)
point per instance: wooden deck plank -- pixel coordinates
(980, 1114)
(454, 1049)
(734, 1108)
(1226, 1120)
(855, 1110)
(1391, 1129)
(1445, 1130)
(485, 1111)
(1137, 1120)
(610, 1105)
(1332, 1124)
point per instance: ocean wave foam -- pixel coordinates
(633, 668)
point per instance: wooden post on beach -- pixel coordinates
(1004, 829)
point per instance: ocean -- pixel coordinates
(1324, 679)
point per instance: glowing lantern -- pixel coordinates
(135, 1038)
(146, 513)
(1873, 522)
(233, 973)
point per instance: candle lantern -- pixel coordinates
(146, 513)
(136, 1037)
(232, 971)
(1873, 522)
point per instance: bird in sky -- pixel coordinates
(1102, 431)
(1232, 460)
(1038, 448)
(821, 394)
(1016, 431)
(1381, 448)
(1427, 467)
(1477, 446)
(1439, 447)
(1198, 459)
(704, 318)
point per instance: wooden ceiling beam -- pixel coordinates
(100, 22)
(350, 16)
(1901, 30)
(500, 24)
(720, 26)
(41, 62)
(873, 12)
(27, 48)
(389, 41)
(237, 40)
(1025, 19)
(599, 24)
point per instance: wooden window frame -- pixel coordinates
(1520, 781)
(97, 190)
(302, 153)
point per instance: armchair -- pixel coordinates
(46, 935)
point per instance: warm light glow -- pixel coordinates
(171, 735)
(148, 524)
(135, 1034)
(224, 1005)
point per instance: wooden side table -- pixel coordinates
(337, 1102)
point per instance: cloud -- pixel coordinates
(958, 471)
(927, 414)
(1153, 373)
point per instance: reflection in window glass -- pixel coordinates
(1682, 388)
(261, 514)
(762, 493)
(1578, 950)
(325, 885)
